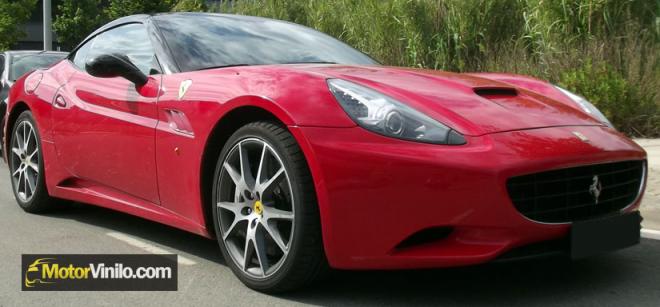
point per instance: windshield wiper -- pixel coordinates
(312, 62)
(242, 64)
(224, 66)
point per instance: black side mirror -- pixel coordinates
(115, 65)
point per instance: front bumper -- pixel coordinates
(375, 192)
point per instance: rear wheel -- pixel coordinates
(266, 216)
(26, 166)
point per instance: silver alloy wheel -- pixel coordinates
(255, 208)
(25, 161)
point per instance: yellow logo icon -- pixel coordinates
(34, 267)
(258, 207)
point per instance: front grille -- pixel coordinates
(569, 194)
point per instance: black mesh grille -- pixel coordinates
(567, 195)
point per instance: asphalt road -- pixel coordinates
(629, 277)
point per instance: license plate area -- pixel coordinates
(597, 236)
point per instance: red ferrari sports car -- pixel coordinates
(299, 153)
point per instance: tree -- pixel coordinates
(76, 20)
(121, 8)
(13, 13)
(190, 6)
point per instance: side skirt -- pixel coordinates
(102, 196)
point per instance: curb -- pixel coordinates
(651, 234)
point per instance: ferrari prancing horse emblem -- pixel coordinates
(595, 188)
(183, 88)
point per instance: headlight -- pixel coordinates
(586, 106)
(384, 115)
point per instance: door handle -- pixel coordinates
(60, 102)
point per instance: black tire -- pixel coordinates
(3, 111)
(305, 260)
(39, 201)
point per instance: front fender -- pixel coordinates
(262, 102)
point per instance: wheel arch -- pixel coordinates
(12, 115)
(231, 121)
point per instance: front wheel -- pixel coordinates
(266, 216)
(27, 166)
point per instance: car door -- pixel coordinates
(104, 128)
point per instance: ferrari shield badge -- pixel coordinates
(183, 88)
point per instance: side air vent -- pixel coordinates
(428, 235)
(495, 92)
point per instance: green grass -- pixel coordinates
(606, 50)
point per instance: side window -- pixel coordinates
(80, 58)
(131, 40)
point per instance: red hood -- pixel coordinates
(471, 104)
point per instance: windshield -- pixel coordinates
(202, 41)
(26, 62)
